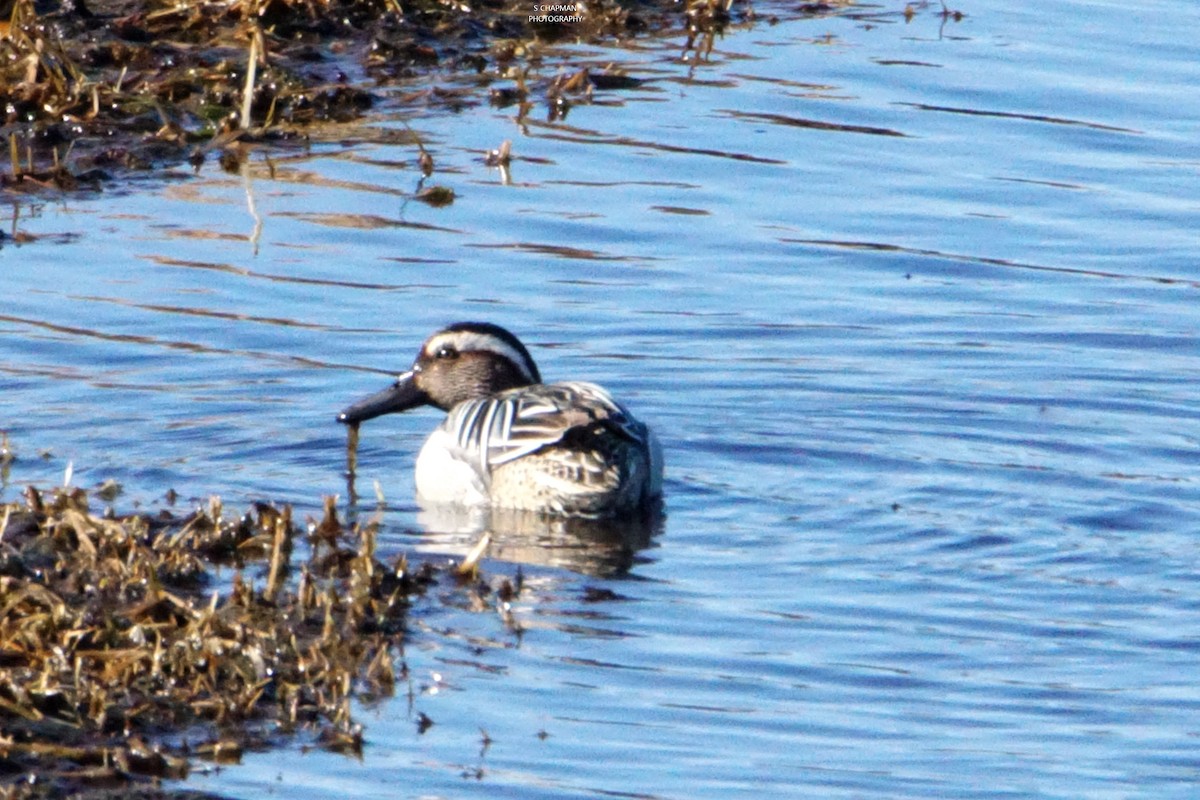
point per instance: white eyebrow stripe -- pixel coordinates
(466, 341)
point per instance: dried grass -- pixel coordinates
(120, 661)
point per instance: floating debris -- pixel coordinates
(7, 455)
(118, 85)
(119, 636)
(109, 490)
(436, 196)
(469, 566)
(501, 156)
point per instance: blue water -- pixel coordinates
(912, 307)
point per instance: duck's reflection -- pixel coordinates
(599, 547)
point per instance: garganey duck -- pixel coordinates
(511, 441)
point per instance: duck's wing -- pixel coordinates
(499, 429)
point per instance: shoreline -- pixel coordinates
(119, 88)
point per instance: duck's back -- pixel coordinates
(563, 448)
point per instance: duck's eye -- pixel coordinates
(446, 352)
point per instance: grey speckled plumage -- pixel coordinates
(510, 440)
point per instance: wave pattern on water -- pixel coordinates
(920, 345)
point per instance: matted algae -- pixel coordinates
(352, 449)
(115, 85)
(122, 662)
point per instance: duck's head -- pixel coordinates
(461, 362)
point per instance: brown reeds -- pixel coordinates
(123, 86)
(117, 631)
